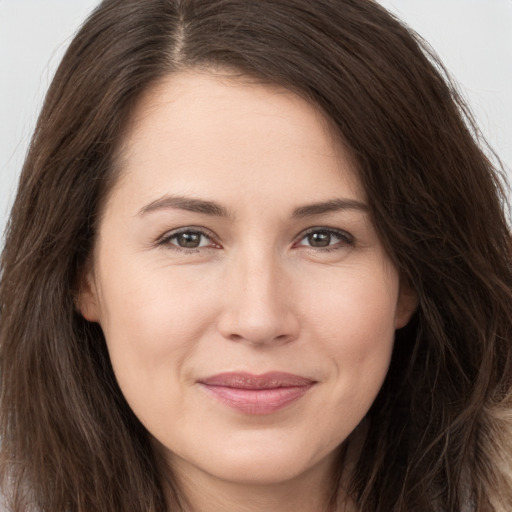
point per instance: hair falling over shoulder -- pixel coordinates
(439, 435)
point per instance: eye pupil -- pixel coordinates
(189, 240)
(319, 239)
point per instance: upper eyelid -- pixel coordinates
(336, 231)
(187, 229)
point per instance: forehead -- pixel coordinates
(200, 129)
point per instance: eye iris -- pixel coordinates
(189, 240)
(319, 239)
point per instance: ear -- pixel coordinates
(407, 304)
(86, 300)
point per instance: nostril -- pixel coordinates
(260, 338)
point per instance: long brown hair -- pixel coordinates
(439, 436)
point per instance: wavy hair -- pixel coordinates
(439, 433)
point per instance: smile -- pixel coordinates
(257, 394)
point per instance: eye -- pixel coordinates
(323, 238)
(188, 239)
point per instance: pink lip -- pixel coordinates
(257, 394)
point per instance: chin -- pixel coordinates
(274, 460)
(265, 469)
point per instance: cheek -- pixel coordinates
(150, 307)
(361, 302)
(354, 325)
(152, 324)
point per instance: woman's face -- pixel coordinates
(248, 305)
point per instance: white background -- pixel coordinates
(473, 38)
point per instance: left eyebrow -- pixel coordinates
(332, 205)
(186, 203)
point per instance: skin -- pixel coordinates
(260, 292)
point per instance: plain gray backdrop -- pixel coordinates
(473, 38)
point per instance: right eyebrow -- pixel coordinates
(185, 203)
(333, 205)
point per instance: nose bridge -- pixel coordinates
(259, 284)
(258, 308)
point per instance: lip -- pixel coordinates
(257, 394)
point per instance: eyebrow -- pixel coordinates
(186, 203)
(215, 209)
(332, 205)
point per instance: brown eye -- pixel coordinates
(319, 239)
(188, 240)
(325, 239)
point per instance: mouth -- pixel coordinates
(257, 394)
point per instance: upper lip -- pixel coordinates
(244, 380)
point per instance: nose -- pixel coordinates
(258, 306)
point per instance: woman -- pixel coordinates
(257, 261)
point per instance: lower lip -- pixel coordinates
(258, 401)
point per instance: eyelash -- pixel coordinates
(345, 239)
